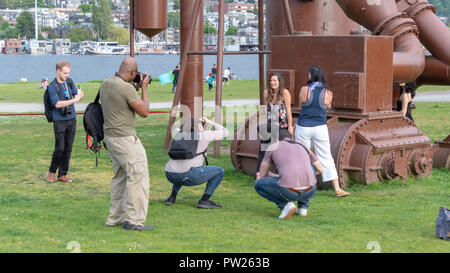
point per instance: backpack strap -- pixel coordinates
(97, 98)
(204, 156)
(58, 91)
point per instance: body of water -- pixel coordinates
(88, 67)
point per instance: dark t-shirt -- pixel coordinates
(68, 85)
(175, 73)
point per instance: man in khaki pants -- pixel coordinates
(130, 184)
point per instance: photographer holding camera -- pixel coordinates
(130, 184)
(63, 94)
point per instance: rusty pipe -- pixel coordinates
(435, 73)
(288, 16)
(384, 19)
(433, 34)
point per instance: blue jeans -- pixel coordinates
(196, 176)
(268, 188)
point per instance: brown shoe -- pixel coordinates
(342, 193)
(64, 179)
(51, 177)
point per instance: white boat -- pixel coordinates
(105, 48)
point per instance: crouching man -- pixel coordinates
(296, 180)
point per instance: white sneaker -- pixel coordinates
(288, 211)
(302, 212)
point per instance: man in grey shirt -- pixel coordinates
(296, 180)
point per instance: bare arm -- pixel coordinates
(405, 100)
(65, 103)
(318, 166)
(141, 106)
(287, 102)
(264, 169)
(328, 98)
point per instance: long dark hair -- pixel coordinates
(317, 75)
(410, 87)
(271, 92)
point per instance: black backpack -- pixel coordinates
(184, 146)
(93, 125)
(47, 105)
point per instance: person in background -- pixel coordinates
(44, 83)
(130, 183)
(190, 172)
(312, 130)
(214, 73)
(176, 73)
(63, 95)
(226, 76)
(210, 81)
(405, 100)
(296, 181)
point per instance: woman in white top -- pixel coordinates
(190, 172)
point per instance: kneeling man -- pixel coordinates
(296, 180)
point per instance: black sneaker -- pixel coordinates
(129, 226)
(170, 201)
(208, 204)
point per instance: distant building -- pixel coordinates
(61, 46)
(12, 46)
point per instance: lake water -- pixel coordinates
(87, 67)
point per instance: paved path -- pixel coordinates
(13, 107)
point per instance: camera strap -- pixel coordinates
(118, 75)
(67, 88)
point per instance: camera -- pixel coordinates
(137, 80)
(65, 111)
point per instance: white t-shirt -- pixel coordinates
(226, 73)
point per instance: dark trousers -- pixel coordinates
(64, 135)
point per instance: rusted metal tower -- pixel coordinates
(369, 141)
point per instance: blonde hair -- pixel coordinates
(61, 64)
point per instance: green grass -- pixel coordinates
(30, 91)
(239, 89)
(36, 216)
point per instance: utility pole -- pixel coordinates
(35, 20)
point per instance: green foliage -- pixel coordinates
(101, 17)
(442, 7)
(208, 28)
(25, 24)
(232, 30)
(176, 4)
(173, 19)
(78, 34)
(85, 7)
(119, 34)
(8, 32)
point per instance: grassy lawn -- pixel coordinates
(239, 89)
(30, 91)
(36, 216)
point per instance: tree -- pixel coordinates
(101, 17)
(78, 34)
(173, 19)
(208, 28)
(119, 34)
(176, 4)
(25, 24)
(232, 30)
(8, 32)
(85, 8)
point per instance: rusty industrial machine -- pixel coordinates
(366, 47)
